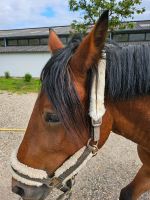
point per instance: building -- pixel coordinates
(140, 34)
(26, 51)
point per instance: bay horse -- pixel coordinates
(56, 143)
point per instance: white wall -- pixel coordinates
(18, 64)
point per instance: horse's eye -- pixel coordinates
(51, 117)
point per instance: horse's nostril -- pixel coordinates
(18, 190)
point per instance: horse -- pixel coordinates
(61, 136)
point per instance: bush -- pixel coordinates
(27, 77)
(7, 75)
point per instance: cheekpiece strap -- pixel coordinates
(96, 129)
(97, 107)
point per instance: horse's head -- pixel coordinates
(59, 124)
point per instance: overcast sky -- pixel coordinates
(40, 13)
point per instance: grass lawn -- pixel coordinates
(18, 85)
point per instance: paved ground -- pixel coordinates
(102, 179)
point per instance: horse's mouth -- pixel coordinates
(27, 192)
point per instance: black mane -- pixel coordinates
(57, 83)
(127, 76)
(127, 71)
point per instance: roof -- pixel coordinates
(60, 30)
(30, 32)
(134, 43)
(24, 49)
(140, 25)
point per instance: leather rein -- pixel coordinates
(63, 178)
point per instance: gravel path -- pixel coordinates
(102, 179)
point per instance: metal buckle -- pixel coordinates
(93, 147)
(53, 182)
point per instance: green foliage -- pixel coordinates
(27, 77)
(92, 9)
(18, 85)
(7, 75)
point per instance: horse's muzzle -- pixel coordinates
(29, 192)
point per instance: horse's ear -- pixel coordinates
(89, 51)
(54, 43)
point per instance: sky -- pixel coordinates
(16, 14)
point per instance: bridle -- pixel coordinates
(63, 177)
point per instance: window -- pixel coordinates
(44, 41)
(2, 43)
(120, 37)
(12, 42)
(33, 42)
(137, 37)
(147, 36)
(23, 42)
(109, 35)
(69, 38)
(63, 39)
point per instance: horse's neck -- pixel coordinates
(131, 119)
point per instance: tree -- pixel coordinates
(120, 10)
